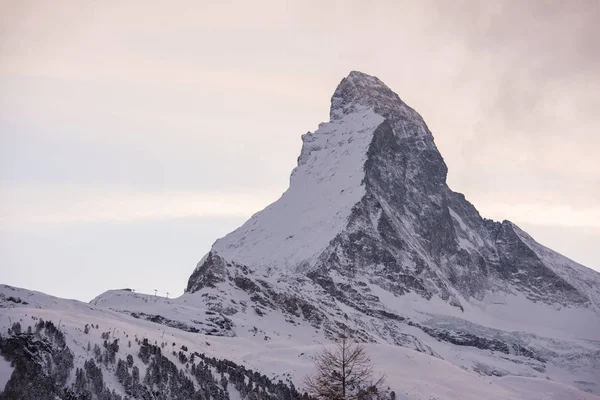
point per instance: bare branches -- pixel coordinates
(345, 373)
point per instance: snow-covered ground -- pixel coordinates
(411, 374)
(568, 338)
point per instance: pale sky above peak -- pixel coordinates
(133, 134)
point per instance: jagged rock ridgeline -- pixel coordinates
(369, 201)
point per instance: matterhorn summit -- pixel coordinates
(368, 203)
(369, 239)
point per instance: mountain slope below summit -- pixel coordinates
(416, 376)
(584, 279)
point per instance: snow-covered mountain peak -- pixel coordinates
(368, 241)
(359, 90)
(369, 197)
(369, 121)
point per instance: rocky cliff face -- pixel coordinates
(369, 200)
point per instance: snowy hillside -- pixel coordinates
(413, 375)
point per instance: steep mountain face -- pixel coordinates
(370, 240)
(369, 199)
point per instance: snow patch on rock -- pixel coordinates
(326, 184)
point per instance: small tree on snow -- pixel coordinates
(345, 373)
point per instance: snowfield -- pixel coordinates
(411, 374)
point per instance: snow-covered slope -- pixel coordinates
(583, 279)
(411, 374)
(300, 225)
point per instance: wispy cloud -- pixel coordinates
(72, 204)
(51, 204)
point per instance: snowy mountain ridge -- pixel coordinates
(373, 179)
(369, 239)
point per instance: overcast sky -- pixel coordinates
(133, 134)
